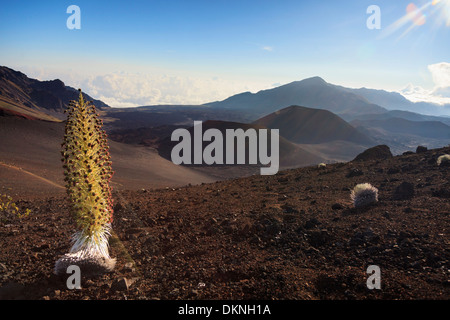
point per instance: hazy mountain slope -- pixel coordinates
(407, 115)
(177, 115)
(291, 155)
(334, 139)
(12, 108)
(25, 95)
(427, 129)
(395, 101)
(402, 135)
(150, 137)
(312, 126)
(34, 147)
(335, 151)
(312, 92)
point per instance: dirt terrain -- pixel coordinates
(294, 235)
(30, 161)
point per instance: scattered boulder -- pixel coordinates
(441, 193)
(364, 237)
(122, 284)
(319, 238)
(289, 209)
(408, 210)
(311, 223)
(354, 172)
(118, 206)
(421, 149)
(404, 191)
(379, 152)
(337, 206)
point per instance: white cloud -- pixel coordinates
(267, 48)
(132, 89)
(140, 88)
(441, 74)
(440, 93)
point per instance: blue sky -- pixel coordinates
(132, 53)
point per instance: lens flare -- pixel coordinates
(437, 12)
(415, 14)
(443, 7)
(447, 13)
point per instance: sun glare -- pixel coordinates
(444, 9)
(436, 11)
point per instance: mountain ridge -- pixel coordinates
(308, 125)
(45, 100)
(392, 100)
(312, 92)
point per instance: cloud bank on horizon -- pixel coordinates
(125, 90)
(132, 90)
(440, 94)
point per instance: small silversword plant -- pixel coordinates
(363, 195)
(443, 160)
(87, 169)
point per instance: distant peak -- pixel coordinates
(56, 82)
(314, 80)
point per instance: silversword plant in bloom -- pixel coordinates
(87, 170)
(363, 195)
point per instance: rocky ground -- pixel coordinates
(294, 235)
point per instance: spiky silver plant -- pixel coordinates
(363, 195)
(444, 160)
(87, 164)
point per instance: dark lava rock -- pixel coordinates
(319, 238)
(311, 223)
(408, 210)
(289, 209)
(404, 191)
(337, 206)
(421, 149)
(354, 173)
(379, 152)
(118, 206)
(368, 236)
(122, 284)
(441, 193)
(393, 170)
(444, 163)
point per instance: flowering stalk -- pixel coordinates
(87, 169)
